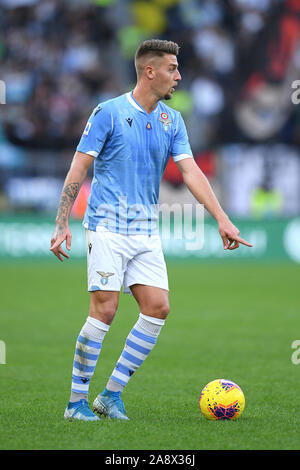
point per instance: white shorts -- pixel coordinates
(115, 260)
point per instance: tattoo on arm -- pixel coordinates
(69, 194)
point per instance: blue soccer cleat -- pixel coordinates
(80, 410)
(110, 404)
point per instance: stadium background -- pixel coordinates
(238, 60)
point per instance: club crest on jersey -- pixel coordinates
(164, 118)
(148, 126)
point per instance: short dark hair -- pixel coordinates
(157, 47)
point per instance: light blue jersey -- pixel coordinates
(131, 150)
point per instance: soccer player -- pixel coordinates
(129, 139)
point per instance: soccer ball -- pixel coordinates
(222, 399)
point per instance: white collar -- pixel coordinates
(136, 105)
(133, 102)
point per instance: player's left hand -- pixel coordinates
(230, 236)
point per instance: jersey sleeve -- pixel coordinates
(181, 147)
(98, 128)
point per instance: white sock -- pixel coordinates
(88, 347)
(139, 343)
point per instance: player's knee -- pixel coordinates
(159, 310)
(164, 310)
(105, 313)
(103, 310)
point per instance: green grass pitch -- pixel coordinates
(232, 320)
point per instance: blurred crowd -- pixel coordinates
(238, 58)
(60, 58)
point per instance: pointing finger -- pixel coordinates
(244, 242)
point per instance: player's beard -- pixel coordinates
(169, 95)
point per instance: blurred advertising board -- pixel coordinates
(274, 239)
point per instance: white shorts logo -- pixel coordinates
(104, 277)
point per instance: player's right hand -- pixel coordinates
(230, 235)
(58, 237)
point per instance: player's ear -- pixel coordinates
(149, 71)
